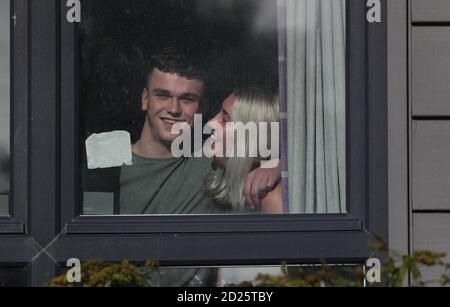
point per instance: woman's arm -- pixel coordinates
(273, 202)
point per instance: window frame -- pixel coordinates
(25, 235)
(245, 239)
(49, 229)
(15, 222)
(18, 246)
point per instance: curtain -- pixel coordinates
(316, 106)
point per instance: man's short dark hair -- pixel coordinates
(174, 61)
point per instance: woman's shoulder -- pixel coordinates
(273, 202)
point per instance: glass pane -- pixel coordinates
(231, 276)
(4, 105)
(180, 111)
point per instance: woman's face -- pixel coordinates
(219, 136)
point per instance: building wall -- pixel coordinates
(398, 121)
(429, 122)
(419, 126)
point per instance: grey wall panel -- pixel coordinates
(430, 10)
(431, 232)
(430, 71)
(398, 125)
(431, 165)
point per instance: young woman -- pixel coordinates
(248, 105)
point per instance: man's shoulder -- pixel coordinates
(202, 165)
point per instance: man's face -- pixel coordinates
(170, 99)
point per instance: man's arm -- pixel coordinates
(259, 183)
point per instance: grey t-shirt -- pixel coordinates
(169, 186)
(166, 186)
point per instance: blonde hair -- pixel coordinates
(226, 184)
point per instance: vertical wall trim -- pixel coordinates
(398, 125)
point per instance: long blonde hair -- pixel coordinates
(226, 184)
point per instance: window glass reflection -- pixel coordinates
(158, 85)
(180, 111)
(150, 274)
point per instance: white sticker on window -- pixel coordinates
(111, 149)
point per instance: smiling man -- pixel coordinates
(169, 99)
(158, 183)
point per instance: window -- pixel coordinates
(70, 81)
(314, 55)
(57, 82)
(233, 276)
(242, 275)
(134, 160)
(4, 106)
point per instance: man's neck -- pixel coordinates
(148, 147)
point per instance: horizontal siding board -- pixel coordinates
(431, 165)
(431, 232)
(430, 10)
(430, 71)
